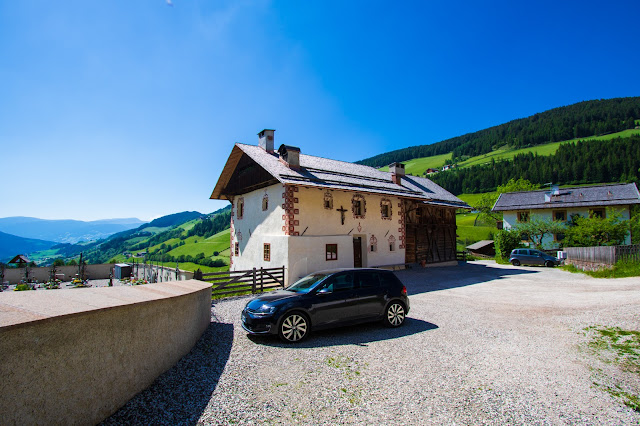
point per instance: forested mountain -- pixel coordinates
(617, 160)
(579, 120)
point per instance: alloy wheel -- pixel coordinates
(395, 314)
(294, 328)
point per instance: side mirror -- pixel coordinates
(325, 291)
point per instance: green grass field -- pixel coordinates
(468, 233)
(472, 198)
(417, 166)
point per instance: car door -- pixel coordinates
(536, 257)
(370, 294)
(334, 302)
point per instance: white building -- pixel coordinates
(562, 204)
(310, 213)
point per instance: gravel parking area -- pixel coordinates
(483, 344)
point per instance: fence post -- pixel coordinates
(261, 280)
(253, 287)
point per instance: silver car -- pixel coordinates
(532, 257)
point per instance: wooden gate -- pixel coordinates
(252, 280)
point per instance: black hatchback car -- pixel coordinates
(328, 299)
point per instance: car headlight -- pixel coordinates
(264, 310)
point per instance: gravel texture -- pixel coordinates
(483, 344)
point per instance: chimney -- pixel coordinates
(290, 155)
(265, 138)
(397, 171)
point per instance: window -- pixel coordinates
(267, 252)
(523, 216)
(560, 215)
(597, 213)
(368, 279)
(373, 243)
(558, 237)
(332, 252)
(385, 209)
(237, 250)
(240, 207)
(265, 202)
(392, 243)
(340, 282)
(358, 206)
(328, 201)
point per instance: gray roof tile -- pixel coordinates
(583, 196)
(340, 175)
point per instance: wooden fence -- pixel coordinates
(607, 255)
(252, 280)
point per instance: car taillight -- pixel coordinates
(404, 290)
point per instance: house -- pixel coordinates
(562, 204)
(310, 213)
(431, 171)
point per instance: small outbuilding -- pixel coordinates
(122, 270)
(482, 248)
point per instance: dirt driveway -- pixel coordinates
(484, 344)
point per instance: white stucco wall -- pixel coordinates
(257, 227)
(307, 254)
(303, 251)
(510, 219)
(317, 220)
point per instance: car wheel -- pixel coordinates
(294, 327)
(549, 264)
(395, 315)
(515, 262)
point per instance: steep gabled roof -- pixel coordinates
(583, 196)
(339, 175)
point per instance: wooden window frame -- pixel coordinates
(240, 208)
(327, 201)
(237, 249)
(265, 203)
(331, 252)
(267, 252)
(598, 212)
(358, 206)
(524, 214)
(554, 212)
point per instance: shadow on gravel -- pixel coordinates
(359, 335)
(424, 280)
(180, 395)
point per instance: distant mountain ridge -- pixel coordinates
(11, 245)
(65, 231)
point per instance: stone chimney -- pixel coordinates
(397, 171)
(265, 138)
(290, 155)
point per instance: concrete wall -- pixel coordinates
(75, 357)
(93, 272)
(510, 219)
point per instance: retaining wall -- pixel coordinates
(93, 272)
(75, 357)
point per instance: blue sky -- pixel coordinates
(131, 108)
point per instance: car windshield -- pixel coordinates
(304, 285)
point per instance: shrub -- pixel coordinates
(506, 240)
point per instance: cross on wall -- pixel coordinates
(342, 211)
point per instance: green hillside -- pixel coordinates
(417, 166)
(577, 121)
